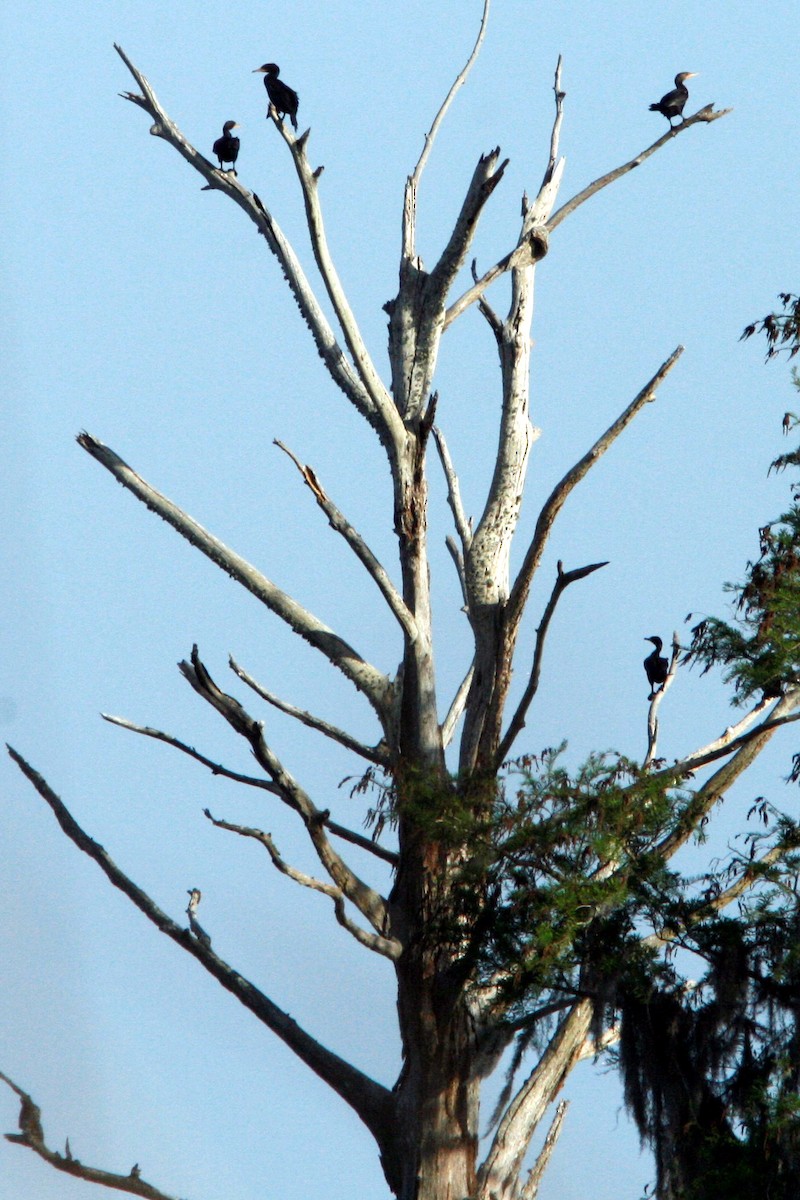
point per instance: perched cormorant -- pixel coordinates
(656, 667)
(673, 103)
(226, 147)
(284, 98)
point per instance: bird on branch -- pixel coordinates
(283, 98)
(672, 105)
(226, 148)
(656, 667)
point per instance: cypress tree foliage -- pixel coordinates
(712, 1068)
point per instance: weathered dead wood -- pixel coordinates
(32, 1135)
(342, 372)
(388, 947)
(369, 903)
(342, 526)
(372, 1102)
(374, 685)
(560, 493)
(375, 754)
(517, 723)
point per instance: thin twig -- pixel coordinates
(412, 184)
(530, 1189)
(388, 947)
(517, 724)
(342, 526)
(371, 753)
(214, 767)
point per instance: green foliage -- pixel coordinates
(760, 651)
(782, 330)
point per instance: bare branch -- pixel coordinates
(487, 175)
(375, 754)
(340, 370)
(371, 1101)
(547, 196)
(371, 682)
(341, 525)
(533, 240)
(412, 184)
(266, 785)
(309, 184)
(733, 731)
(517, 724)
(32, 1135)
(169, 740)
(703, 116)
(561, 491)
(500, 1169)
(463, 527)
(389, 947)
(530, 1189)
(368, 902)
(457, 707)
(743, 749)
(458, 561)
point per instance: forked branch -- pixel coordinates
(214, 767)
(517, 724)
(339, 368)
(389, 947)
(370, 1100)
(369, 903)
(499, 1174)
(32, 1135)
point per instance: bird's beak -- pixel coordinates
(692, 74)
(256, 70)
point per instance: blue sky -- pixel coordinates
(147, 311)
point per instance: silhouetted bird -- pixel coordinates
(672, 105)
(226, 147)
(656, 667)
(284, 98)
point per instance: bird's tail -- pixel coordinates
(655, 108)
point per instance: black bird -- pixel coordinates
(672, 105)
(656, 667)
(284, 98)
(226, 147)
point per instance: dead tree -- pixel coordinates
(454, 1022)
